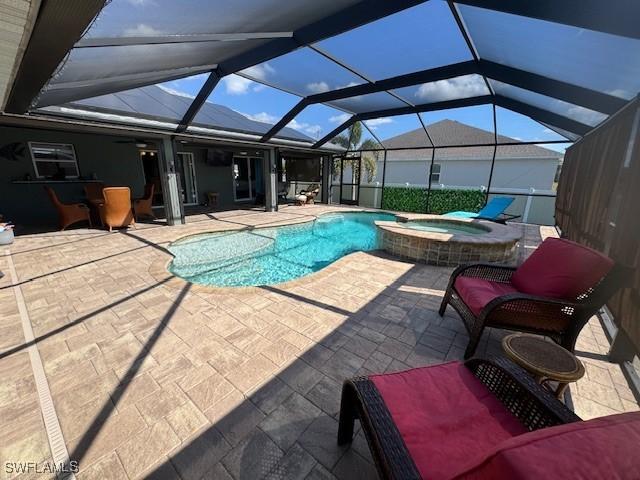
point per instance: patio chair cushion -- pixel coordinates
(605, 447)
(477, 292)
(445, 416)
(560, 268)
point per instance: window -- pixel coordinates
(54, 160)
(435, 173)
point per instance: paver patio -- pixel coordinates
(152, 377)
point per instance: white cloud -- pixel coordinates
(313, 130)
(620, 92)
(460, 87)
(343, 117)
(263, 117)
(141, 30)
(318, 87)
(142, 3)
(584, 115)
(237, 85)
(350, 84)
(378, 121)
(173, 91)
(259, 72)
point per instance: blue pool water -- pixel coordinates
(268, 256)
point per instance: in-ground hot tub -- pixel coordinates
(447, 241)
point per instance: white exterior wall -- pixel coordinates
(536, 173)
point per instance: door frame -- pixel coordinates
(192, 173)
(252, 193)
(354, 184)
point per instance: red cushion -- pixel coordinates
(560, 268)
(477, 292)
(445, 416)
(600, 448)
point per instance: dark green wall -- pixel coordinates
(111, 162)
(211, 179)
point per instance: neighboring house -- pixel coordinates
(516, 166)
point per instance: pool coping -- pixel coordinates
(495, 233)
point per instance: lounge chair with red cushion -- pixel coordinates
(554, 292)
(483, 419)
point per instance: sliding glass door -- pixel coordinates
(245, 178)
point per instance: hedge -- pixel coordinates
(412, 199)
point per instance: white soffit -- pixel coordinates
(16, 22)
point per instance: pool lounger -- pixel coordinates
(494, 211)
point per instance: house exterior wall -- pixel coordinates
(114, 163)
(210, 178)
(106, 157)
(535, 173)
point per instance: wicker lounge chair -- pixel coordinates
(483, 419)
(116, 210)
(68, 213)
(554, 292)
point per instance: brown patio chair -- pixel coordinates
(93, 192)
(68, 213)
(116, 210)
(554, 292)
(142, 206)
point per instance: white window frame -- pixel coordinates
(35, 161)
(436, 174)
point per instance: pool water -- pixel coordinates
(268, 256)
(454, 228)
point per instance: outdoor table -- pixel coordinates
(545, 360)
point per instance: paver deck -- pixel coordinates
(155, 378)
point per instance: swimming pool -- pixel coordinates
(268, 256)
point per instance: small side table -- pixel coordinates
(546, 360)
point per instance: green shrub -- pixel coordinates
(448, 200)
(405, 199)
(414, 199)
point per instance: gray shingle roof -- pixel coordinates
(451, 132)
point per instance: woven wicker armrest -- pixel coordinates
(523, 302)
(515, 388)
(488, 271)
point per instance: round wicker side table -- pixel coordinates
(546, 360)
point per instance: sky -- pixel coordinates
(419, 38)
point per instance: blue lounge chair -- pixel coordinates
(494, 211)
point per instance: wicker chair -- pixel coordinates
(116, 211)
(142, 206)
(533, 407)
(560, 317)
(68, 213)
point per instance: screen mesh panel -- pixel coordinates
(407, 41)
(459, 87)
(595, 60)
(569, 110)
(303, 72)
